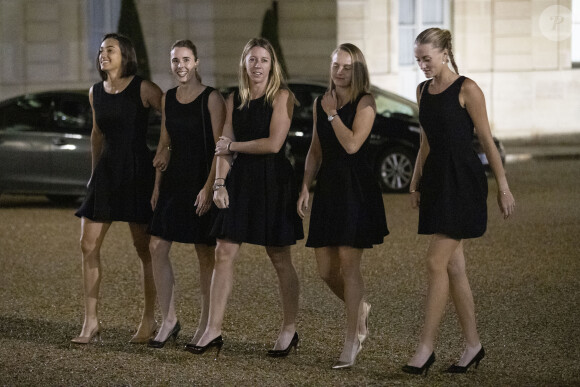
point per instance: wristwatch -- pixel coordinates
(331, 117)
(217, 186)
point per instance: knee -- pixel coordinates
(142, 247)
(328, 275)
(435, 266)
(88, 244)
(280, 257)
(224, 255)
(456, 269)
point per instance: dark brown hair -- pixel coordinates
(129, 58)
(186, 43)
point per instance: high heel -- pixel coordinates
(96, 334)
(419, 370)
(347, 364)
(285, 352)
(218, 342)
(143, 339)
(366, 311)
(173, 334)
(455, 369)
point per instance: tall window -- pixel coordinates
(576, 33)
(103, 16)
(414, 17)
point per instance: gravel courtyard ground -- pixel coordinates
(524, 273)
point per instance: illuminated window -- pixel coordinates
(103, 17)
(576, 33)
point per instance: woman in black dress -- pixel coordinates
(122, 179)
(450, 188)
(255, 195)
(192, 118)
(347, 211)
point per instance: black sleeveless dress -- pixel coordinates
(192, 150)
(453, 184)
(261, 188)
(347, 209)
(122, 181)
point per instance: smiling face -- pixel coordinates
(110, 57)
(430, 59)
(258, 63)
(183, 64)
(341, 69)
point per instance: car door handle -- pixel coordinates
(59, 141)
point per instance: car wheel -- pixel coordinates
(395, 169)
(63, 199)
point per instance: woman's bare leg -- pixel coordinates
(350, 260)
(141, 242)
(165, 284)
(439, 254)
(221, 287)
(463, 301)
(92, 236)
(206, 258)
(289, 290)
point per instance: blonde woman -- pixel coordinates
(449, 187)
(255, 195)
(348, 215)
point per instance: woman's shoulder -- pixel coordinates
(469, 86)
(282, 96)
(364, 99)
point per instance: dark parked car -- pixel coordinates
(45, 144)
(394, 139)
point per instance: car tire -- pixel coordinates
(395, 169)
(63, 200)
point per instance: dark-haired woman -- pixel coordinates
(192, 118)
(122, 175)
(449, 187)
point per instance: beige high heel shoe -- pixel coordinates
(96, 334)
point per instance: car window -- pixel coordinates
(390, 107)
(26, 114)
(74, 115)
(306, 99)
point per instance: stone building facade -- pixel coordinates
(519, 51)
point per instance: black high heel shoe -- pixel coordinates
(218, 342)
(419, 370)
(455, 369)
(173, 334)
(285, 352)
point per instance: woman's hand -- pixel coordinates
(222, 146)
(506, 202)
(329, 102)
(415, 199)
(302, 204)
(203, 201)
(221, 198)
(161, 159)
(154, 197)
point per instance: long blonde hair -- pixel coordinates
(440, 39)
(275, 78)
(360, 82)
